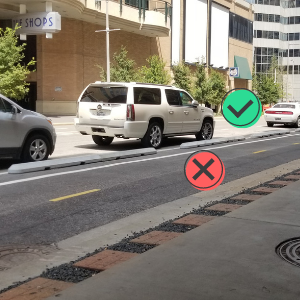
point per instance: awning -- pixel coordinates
(244, 70)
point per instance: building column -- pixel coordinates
(249, 85)
(231, 83)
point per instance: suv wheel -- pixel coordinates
(153, 137)
(36, 148)
(206, 132)
(102, 140)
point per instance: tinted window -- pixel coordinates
(5, 106)
(284, 106)
(240, 28)
(147, 96)
(173, 97)
(105, 94)
(2, 107)
(185, 99)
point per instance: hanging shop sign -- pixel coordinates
(234, 72)
(38, 23)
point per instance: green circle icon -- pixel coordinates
(241, 108)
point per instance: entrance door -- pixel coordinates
(29, 101)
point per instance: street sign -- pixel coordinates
(234, 72)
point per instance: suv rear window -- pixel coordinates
(105, 94)
(147, 96)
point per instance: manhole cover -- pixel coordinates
(290, 251)
(14, 255)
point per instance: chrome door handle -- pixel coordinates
(171, 112)
(186, 112)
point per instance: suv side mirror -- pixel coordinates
(14, 110)
(195, 103)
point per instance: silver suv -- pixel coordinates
(24, 134)
(137, 110)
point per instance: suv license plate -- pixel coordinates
(277, 119)
(100, 113)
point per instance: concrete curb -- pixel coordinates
(211, 142)
(269, 133)
(77, 160)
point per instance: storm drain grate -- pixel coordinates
(290, 251)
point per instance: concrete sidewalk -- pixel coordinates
(230, 257)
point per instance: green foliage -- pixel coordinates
(217, 87)
(182, 76)
(122, 70)
(156, 72)
(201, 86)
(264, 85)
(13, 71)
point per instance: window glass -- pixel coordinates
(260, 2)
(173, 97)
(2, 107)
(276, 35)
(265, 17)
(266, 2)
(150, 96)
(259, 17)
(8, 106)
(105, 94)
(284, 37)
(258, 68)
(296, 70)
(264, 68)
(291, 36)
(270, 34)
(296, 37)
(297, 20)
(265, 59)
(276, 50)
(296, 52)
(258, 50)
(185, 99)
(277, 18)
(291, 53)
(264, 51)
(291, 20)
(290, 69)
(272, 2)
(258, 59)
(271, 18)
(265, 34)
(277, 2)
(270, 51)
(297, 3)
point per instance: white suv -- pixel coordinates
(137, 110)
(24, 134)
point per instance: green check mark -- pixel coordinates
(241, 108)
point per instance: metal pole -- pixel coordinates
(293, 82)
(107, 44)
(288, 70)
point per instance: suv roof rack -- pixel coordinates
(153, 84)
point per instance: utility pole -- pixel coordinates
(107, 30)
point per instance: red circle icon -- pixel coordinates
(204, 170)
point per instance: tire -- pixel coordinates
(270, 124)
(206, 132)
(102, 140)
(36, 148)
(153, 137)
(297, 124)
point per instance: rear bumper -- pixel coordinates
(289, 119)
(130, 130)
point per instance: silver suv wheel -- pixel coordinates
(38, 150)
(155, 136)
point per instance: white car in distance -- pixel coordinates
(286, 113)
(137, 110)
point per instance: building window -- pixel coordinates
(240, 28)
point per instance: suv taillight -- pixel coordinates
(130, 112)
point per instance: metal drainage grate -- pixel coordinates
(290, 251)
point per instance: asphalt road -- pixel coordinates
(28, 216)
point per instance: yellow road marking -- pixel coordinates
(74, 195)
(259, 151)
(296, 143)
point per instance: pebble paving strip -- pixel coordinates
(56, 279)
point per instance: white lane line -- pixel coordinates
(4, 173)
(131, 162)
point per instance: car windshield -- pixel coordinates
(284, 106)
(105, 94)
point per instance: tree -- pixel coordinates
(123, 68)
(156, 72)
(201, 86)
(13, 72)
(266, 87)
(182, 76)
(217, 87)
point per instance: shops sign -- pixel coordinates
(234, 72)
(38, 23)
